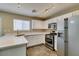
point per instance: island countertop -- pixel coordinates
(9, 40)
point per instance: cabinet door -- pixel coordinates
(46, 24)
(37, 24)
(35, 39)
(60, 23)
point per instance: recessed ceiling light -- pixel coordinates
(34, 11)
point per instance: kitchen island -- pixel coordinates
(11, 45)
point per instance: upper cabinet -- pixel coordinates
(37, 24)
(71, 14)
(60, 22)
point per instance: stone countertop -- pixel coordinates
(12, 40)
(36, 33)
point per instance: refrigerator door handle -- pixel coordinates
(65, 41)
(60, 34)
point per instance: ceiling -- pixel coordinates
(38, 10)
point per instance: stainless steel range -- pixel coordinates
(50, 40)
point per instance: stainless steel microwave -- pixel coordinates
(52, 26)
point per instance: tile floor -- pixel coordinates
(40, 50)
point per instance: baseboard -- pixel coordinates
(35, 45)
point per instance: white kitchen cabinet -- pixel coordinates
(14, 51)
(37, 24)
(35, 39)
(11, 45)
(46, 24)
(52, 20)
(60, 22)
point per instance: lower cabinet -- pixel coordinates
(14, 51)
(35, 39)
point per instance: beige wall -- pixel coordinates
(8, 21)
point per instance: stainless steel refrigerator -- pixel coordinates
(68, 36)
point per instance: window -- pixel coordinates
(21, 25)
